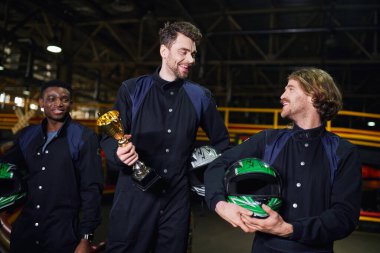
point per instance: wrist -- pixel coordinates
(88, 237)
(221, 206)
(288, 230)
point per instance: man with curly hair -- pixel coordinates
(321, 173)
(162, 111)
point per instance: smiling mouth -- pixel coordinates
(57, 111)
(185, 67)
(284, 103)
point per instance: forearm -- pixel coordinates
(91, 185)
(91, 209)
(215, 129)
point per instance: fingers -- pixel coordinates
(128, 137)
(267, 209)
(244, 211)
(244, 226)
(273, 224)
(236, 221)
(127, 154)
(233, 213)
(132, 159)
(249, 221)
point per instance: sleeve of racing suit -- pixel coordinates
(212, 123)
(214, 175)
(123, 104)
(91, 183)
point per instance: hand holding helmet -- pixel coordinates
(250, 183)
(273, 224)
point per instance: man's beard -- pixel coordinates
(178, 73)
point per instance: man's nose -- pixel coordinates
(284, 94)
(190, 58)
(58, 101)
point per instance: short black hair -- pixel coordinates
(55, 83)
(168, 34)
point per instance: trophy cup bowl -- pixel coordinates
(110, 123)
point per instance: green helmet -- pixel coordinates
(11, 190)
(250, 183)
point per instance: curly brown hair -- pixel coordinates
(326, 96)
(168, 34)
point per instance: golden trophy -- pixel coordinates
(110, 123)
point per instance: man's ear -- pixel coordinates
(41, 102)
(164, 51)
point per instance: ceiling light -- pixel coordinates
(54, 46)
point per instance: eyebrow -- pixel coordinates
(187, 50)
(289, 86)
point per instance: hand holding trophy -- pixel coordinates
(110, 123)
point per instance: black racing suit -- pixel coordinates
(163, 118)
(321, 191)
(63, 179)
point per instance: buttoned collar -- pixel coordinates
(166, 85)
(60, 131)
(305, 134)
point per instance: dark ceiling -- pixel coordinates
(249, 46)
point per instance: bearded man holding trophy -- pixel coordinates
(150, 136)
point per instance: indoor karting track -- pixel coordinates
(210, 234)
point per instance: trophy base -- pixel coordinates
(147, 181)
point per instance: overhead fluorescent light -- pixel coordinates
(54, 49)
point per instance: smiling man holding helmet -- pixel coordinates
(321, 173)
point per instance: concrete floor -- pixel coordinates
(210, 234)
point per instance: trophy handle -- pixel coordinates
(122, 142)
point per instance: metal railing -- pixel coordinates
(241, 122)
(346, 124)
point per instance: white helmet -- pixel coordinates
(200, 158)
